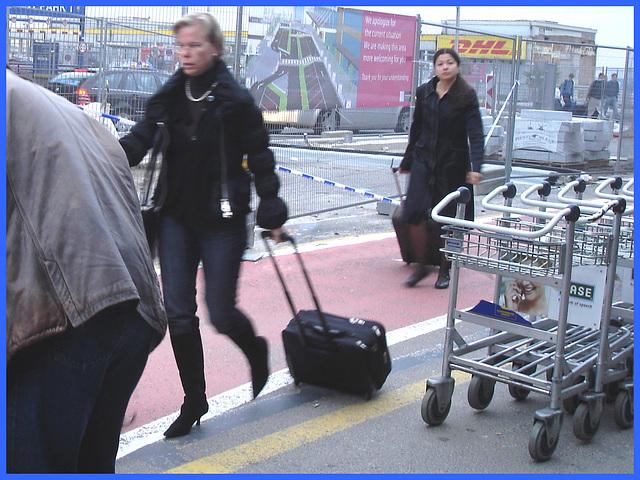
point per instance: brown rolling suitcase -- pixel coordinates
(402, 232)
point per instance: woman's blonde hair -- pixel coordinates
(208, 22)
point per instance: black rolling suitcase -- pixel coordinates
(345, 354)
(402, 233)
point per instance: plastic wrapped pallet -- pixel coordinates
(548, 136)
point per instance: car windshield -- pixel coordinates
(142, 82)
(73, 79)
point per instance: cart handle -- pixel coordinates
(627, 188)
(570, 212)
(583, 203)
(507, 188)
(543, 190)
(616, 184)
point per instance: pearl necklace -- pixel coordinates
(187, 91)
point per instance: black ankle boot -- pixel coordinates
(188, 416)
(187, 349)
(443, 276)
(256, 350)
(419, 273)
(442, 281)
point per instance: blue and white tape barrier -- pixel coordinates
(360, 191)
(124, 121)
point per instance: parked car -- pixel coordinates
(66, 84)
(128, 90)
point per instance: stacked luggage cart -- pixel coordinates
(579, 361)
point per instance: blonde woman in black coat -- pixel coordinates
(203, 194)
(445, 151)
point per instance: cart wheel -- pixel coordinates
(518, 393)
(583, 427)
(539, 447)
(571, 403)
(623, 410)
(480, 392)
(611, 390)
(432, 413)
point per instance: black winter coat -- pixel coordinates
(445, 142)
(189, 186)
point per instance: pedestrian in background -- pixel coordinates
(566, 92)
(203, 198)
(611, 91)
(445, 151)
(84, 307)
(595, 96)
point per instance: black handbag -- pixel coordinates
(150, 212)
(150, 221)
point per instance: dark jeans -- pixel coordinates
(67, 395)
(220, 247)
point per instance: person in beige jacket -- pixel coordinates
(83, 304)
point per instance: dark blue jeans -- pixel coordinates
(67, 395)
(220, 247)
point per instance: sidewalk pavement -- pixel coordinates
(307, 429)
(360, 276)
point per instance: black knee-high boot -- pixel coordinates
(187, 349)
(257, 352)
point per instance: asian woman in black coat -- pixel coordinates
(445, 151)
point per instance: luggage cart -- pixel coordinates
(627, 188)
(614, 369)
(623, 309)
(613, 374)
(546, 356)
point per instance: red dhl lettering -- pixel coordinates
(481, 47)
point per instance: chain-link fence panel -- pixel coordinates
(336, 86)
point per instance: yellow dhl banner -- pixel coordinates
(483, 46)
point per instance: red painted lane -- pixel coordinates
(363, 280)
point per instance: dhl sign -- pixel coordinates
(479, 45)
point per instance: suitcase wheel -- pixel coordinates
(292, 372)
(371, 391)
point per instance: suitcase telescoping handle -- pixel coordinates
(266, 234)
(394, 172)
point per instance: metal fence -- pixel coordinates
(331, 155)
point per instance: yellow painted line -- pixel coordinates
(277, 443)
